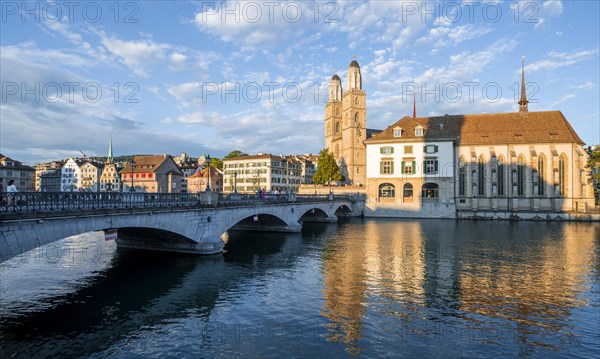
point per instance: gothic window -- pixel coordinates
(562, 175)
(501, 177)
(356, 102)
(521, 177)
(461, 177)
(356, 117)
(541, 177)
(481, 176)
(337, 127)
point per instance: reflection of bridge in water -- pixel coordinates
(179, 222)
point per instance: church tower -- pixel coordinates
(333, 116)
(523, 103)
(345, 125)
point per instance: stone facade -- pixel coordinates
(345, 124)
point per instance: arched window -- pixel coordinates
(481, 176)
(407, 190)
(541, 176)
(355, 117)
(562, 175)
(501, 175)
(461, 177)
(521, 176)
(430, 192)
(387, 190)
(337, 127)
(356, 102)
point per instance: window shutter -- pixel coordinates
(425, 149)
(392, 149)
(424, 167)
(392, 167)
(381, 167)
(436, 166)
(402, 167)
(435, 148)
(414, 163)
(381, 150)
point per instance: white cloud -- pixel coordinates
(562, 99)
(137, 55)
(559, 59)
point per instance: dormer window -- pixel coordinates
(419, 131)
(397, 132)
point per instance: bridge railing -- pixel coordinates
(26, 202)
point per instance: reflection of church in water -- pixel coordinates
(490, 165)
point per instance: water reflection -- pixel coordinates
(482, 282)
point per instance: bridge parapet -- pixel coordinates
(60, 202)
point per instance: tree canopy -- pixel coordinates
(327, 169)
(594, 163)
(235, 153)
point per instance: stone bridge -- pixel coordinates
(191, 223)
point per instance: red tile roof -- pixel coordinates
(496, 128)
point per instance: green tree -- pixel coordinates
(594, 163)
(327, 169)
(235, 153)
(216, 163)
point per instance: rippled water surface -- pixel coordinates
(361, 288)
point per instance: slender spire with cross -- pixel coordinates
(523, 103)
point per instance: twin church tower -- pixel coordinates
(345, 124)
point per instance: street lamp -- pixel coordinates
(208, 167)
(234, 181)
(132, 164)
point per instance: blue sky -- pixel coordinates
(210, 77)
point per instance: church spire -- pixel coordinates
(415, 106)
(523, 103)
(110, 151)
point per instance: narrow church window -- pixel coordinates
(461, 178)
(520, 177)
(500, 177)
(562, 175)
(481, 177)
(541, 178)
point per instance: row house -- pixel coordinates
(43, 168)
(110, 180)
(23, 175)
(90, 176)
(198, 181)
(308, 165)
(154, 174)
(248, 174)
(50, 181)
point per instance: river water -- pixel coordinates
(359, 288)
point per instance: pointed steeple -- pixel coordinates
(110, 152)
(523, 103)
(415, 106)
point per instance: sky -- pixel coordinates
(210, 77)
